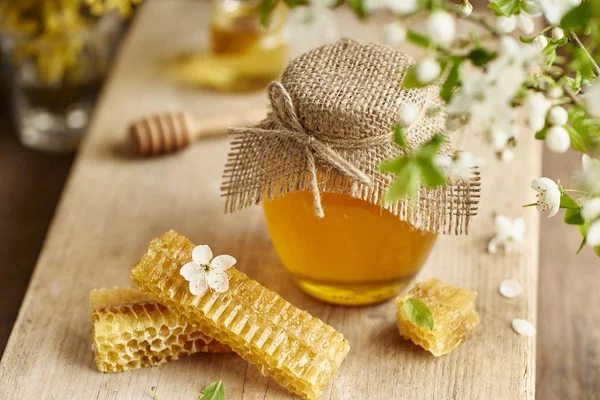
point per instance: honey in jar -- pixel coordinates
(358, 253)
(313, 163)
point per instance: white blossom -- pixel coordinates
(525, 23)
(558, 116)
(394, 33)
(536, 107)
(510, 233)
(460, 166)
(506, 24)
(588, 178)
(402, 7)
(554, 10)
(592, 100)
(591, 209)
(555, 92)
(548, 196)
(506, 155)
(465, 9)
(311, 26)
(409, 112)
(593, 234)
(205, 272)
(540, 42)
(557, 33)
(441, 28)
(558, 139)
(427, 70)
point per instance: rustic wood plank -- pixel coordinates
(114, 204)
(569, 304)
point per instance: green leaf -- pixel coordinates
(506, 7)
(394, 166)
(154, 395)
(582, 245)
(410, 80)
(524, 39)
(431, 148)
(432, 174)
(578, 17)
(358, 7)
(405, 184)
(567, 201)
(597, 250)
(573, 216)
(399, 136)
(264, 11)
(214, 391)
(418, 39)
(452, 81)
(541, 135)
(419, 313)
(576, 139)
(295, 3)
(480, 56)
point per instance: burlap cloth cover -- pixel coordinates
(329, 129)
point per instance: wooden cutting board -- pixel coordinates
(114, 204)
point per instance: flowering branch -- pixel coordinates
(549, 78)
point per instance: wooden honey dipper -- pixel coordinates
(173, 131)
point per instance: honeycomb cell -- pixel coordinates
(128, 332)
(454, 316)
(297, 350)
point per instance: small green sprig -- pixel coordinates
(214, 391)
(419, 313)
(413, 167)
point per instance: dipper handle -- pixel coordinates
(173, 131)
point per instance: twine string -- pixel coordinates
(285, 114)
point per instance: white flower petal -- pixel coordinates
(518, 230)
(441, 27)
(510, 288)
(548, 195)
(558, 139)
(492, 246)
(427, 70)
(218, 280)
(558, 116)
(198, 286)
(523, 327)
(591, 209)
(394, 33)
(202, 254)
(191, 271)
(593, 234)
(506, 24)
(503, 226)
(223, 262)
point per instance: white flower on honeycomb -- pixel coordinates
(548, 197)
(205, 272)
(509, 234)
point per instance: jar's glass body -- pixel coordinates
(54, 81)
(357, 254)
(248, 55)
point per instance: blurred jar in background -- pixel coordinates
(243, 55)
(56, 64)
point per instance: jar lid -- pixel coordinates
(330, 128)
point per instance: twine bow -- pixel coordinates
(285, 114)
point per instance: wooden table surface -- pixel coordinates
(568, 342)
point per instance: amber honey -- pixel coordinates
(357, 254)
(243, 55)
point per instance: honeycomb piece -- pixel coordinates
(130, 331)
(298, 351)
(454, 316)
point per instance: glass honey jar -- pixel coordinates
(356, 254)
(313, 164)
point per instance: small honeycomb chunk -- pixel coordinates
(454, 316)
(299, 351)
(130, 331)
